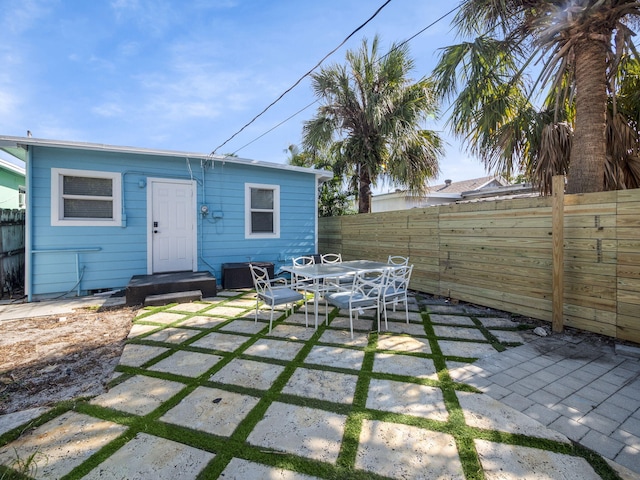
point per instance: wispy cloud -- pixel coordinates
(108, 109)
(151, 16)
(17, 16)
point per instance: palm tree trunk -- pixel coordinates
(589, 151)
(364, 190)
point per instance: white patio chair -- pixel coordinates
(273, 292)
(364, 294)
(395, 290)
(331, 258)
(398, 260)
(299, 282)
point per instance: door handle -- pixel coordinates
(155, 231)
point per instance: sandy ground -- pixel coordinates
(47, 359)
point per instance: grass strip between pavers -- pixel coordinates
(226, 448)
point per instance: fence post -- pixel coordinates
(557, 232)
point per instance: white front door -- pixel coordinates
(172, 224)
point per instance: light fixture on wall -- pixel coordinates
(142, 183)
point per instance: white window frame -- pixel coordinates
(247, 210)
(57, 200)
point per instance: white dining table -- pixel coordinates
(319, 272)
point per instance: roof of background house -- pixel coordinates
(467, 185)
(449, 189)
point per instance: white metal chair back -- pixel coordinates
(364, 294)
(398, 260)
(304, 260)
(272, 295)
(299, 282)
(331, 258)
(260, 279)
(396, 289)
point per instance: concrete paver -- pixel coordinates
(303, 431)
(138, 395)
(268, 348)
(407, 398)
(220, 341)
(403, 343)
(211, 410)
(510, 462)
(335, 357)
(147, 456)
(404, 365)
(322, 385)
(239, 469)
(135, 355)
(248, 373)
(425, 454)
(482, 411)
(188, 364)
(202, 321)
(14, 420)
(60, 445)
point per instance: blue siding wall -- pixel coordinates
(123, 250)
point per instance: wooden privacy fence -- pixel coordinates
(11, 251)
(500, 254)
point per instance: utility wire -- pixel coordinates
(303, 77)
(276, 126)
(316, 101)
(423, 30)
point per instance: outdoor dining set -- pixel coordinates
(355, 285)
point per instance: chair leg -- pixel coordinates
(386, 325)
(351, 321)
(271, 319)
(256, 321)
(406, 308)
(326, 312)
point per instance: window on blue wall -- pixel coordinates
(85, 197)
(262, 211)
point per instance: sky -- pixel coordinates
(186, 75)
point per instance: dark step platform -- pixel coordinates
(142, 286)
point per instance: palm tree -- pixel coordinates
(579, 47)
(370, 121)
(300, 158)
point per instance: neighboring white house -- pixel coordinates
(448, 192)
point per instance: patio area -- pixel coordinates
(204, 392)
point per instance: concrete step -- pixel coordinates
(142, 286)
(174, 297)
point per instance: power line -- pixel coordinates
(276, 126)
(303, 77)
(424, 29)
(439, 19)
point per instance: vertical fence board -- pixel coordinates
(558, 254)
(11, 251)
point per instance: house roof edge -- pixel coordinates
(10, 144)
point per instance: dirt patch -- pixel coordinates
(44, 360)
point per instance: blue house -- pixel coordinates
(97, 215)
(12, 185)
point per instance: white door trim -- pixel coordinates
(192, 183)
